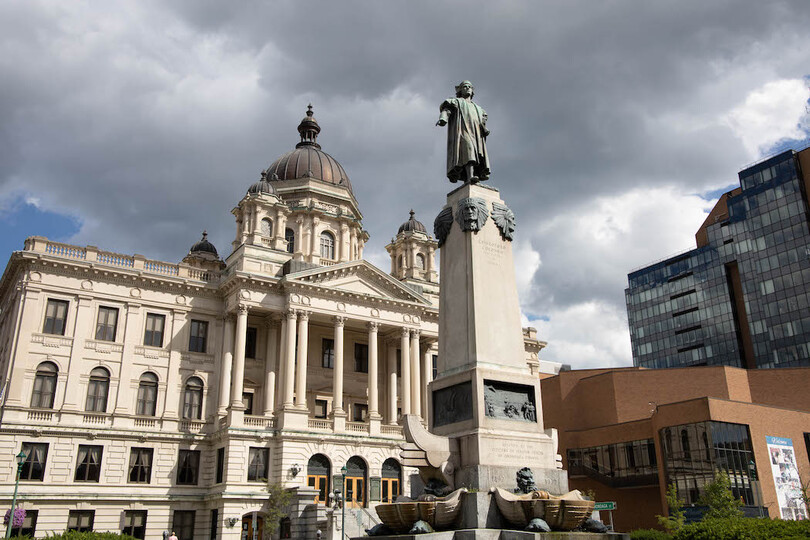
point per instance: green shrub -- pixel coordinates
(744, 529)
(718, 497)
(676, 518)
(649, 534)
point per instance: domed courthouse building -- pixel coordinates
(150, 396)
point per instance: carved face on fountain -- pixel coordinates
(525, 481)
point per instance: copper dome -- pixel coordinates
(308, 160)
(412, 225)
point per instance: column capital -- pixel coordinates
(406, 332)
(415, 333)
(340, 320)
(303, 315)
(242, 309)
(373, 326)
(291, 314)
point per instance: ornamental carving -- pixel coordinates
(504, 219)
(442, 225)
(471, 213)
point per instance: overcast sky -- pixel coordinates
(615, 125)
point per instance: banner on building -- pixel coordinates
(786, 478)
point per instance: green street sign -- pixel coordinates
(605, 506)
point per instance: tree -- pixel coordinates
(676, 517)
(277, 500)
(718, 497)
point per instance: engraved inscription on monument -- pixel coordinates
(452, 404)
(509, 401)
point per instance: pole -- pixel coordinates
(14, 498)
(343, 508)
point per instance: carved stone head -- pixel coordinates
(471, 213)
(525, 481)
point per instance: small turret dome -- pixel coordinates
(412, 225)
(263, 186)
(204, 246)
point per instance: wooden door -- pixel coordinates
(321, 483)
(355, 492)
(390, 489)
(248, 532)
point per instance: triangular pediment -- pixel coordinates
(358, 277)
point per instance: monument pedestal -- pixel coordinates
(498, 534)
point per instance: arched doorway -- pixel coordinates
(252, 526)
(355, 488)
(318, 477)
(391, 480)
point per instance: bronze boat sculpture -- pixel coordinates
(440, 512)
(564, 513)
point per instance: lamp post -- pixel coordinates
(20, 460)
(343, 471)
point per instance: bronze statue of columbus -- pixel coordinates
(467, 157)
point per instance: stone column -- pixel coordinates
(289, 363)
(227, 364)
(405, 364)
(301, 378)
(353, 244)
(337, 375)
(315, 248)
(427, 377)
(344, 242)
(74, 398)
(238, 380)
(373, 373)
(416, 382)
(392, 382)
(299, 238)
(282, 359)
(270, 365)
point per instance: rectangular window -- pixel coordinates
(257, 464)
(153, 335)
(29, 526)
(199, 336)
(320, 408)
(247, 401)
(36, 454)
(183, 524)
(88, 464)
(220, 465)
(188, 467)
(55, 317)
(361, 358)
(214, 523)
(328, 353)
(250, 342)
(359, 412)
(140, 465)
(106, 324)
(135, 523)
(80, 520)
(435, 367)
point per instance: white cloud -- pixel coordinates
(774, 112)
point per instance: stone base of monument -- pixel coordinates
(555, 481)
(498, 534)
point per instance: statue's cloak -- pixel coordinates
(466, 139)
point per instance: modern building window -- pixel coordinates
(627, 464)
(327, 245)
(135, 523)
(88, 463)
(220, 475)
(183, 524)
(29, 526)
(140, 465)
(153, 335)
(81, 520)
(147, 395)
(328, 353)
(320, 408)
(107, 323)
(257, 464)
(289, 236)
(250, 342)
(247, 401)
(197, 341)
(359, 412)
(44, 386)
(188, 467)
(361, 358)
(192, 399)
(36, 455)
(55, 317)
(97, 390)
(267, 227)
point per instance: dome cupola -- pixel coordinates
(263, 186)
(412, 225)
(203, 246)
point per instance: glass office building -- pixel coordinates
(741, 297)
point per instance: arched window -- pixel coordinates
(687, 452)
(289, 236)
(267, 227)
(318, 475)
(391, 480)
(399, 262)
(44, 386)
(355, 488)
(147, 395)
(192, 399)
(97, 390)
(327, 246)
(420, 261)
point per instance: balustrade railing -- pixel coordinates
(317, 423)
(357, 427)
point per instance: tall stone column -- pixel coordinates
(416, 382)
(314, 238)
(301, 374)
(405, 364)
(299, 238)
(373, 373)
(282, 360)
(337, 376)
(344, 242)
(289, 361)
(427, 377)
(270, 365)
(238, 381)
(227, 364)
(392, 382)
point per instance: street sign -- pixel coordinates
(605, 506)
